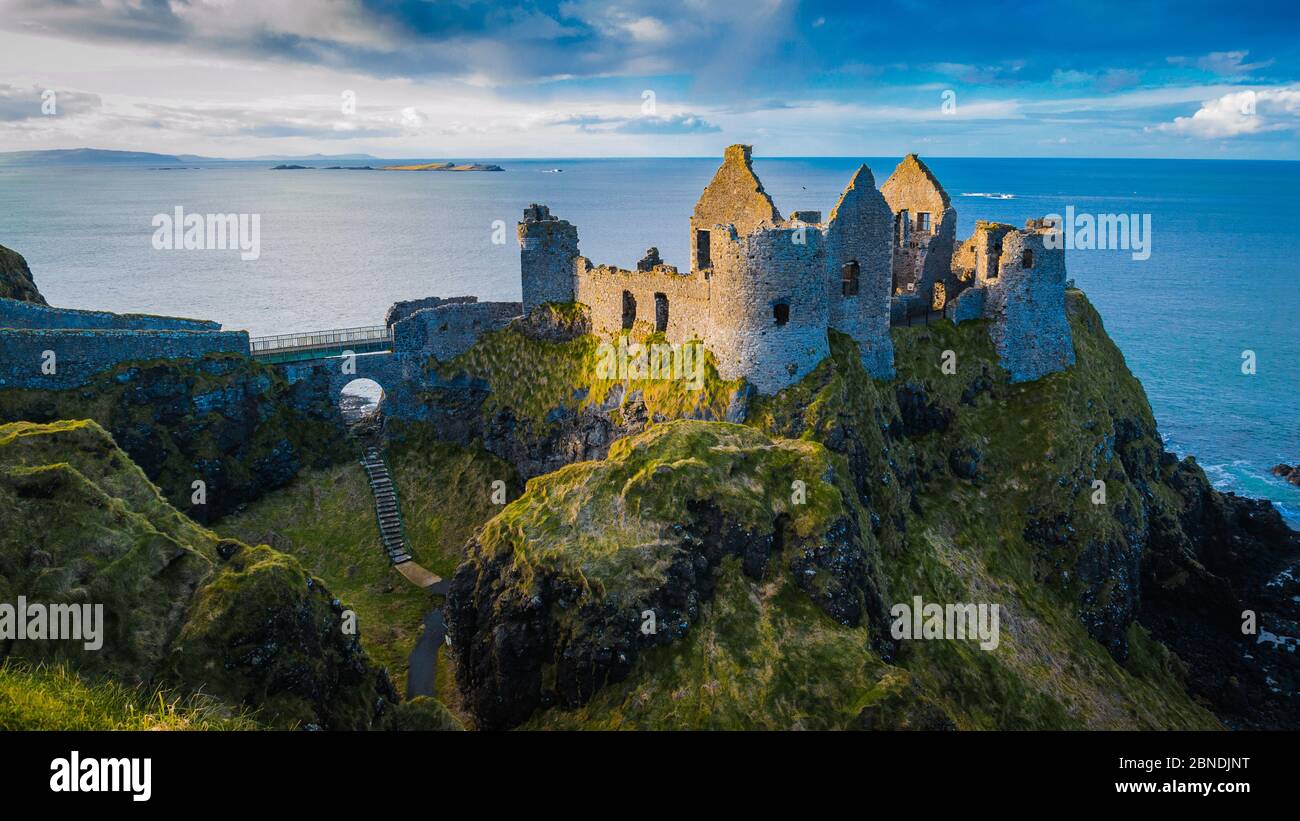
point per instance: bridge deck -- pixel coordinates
(296, 347)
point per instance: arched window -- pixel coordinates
(849, 278)
(781, 313)
(1027, 258)
(629, 310)
(661, 312)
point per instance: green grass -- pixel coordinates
(326, 520)
(38, 697)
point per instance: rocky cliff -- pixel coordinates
(1121, 575)
(16, 278)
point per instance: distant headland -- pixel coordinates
(155, 161)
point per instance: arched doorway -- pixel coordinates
(360, 400)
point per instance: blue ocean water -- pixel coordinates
(337, 247)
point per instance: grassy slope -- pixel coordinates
(531, 378)
(326, 519)
(55, 698)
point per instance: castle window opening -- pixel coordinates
(901, 223)
(781, 313)
(702, 259)
(1027, 258)
(849, 278)
(629, 310)
(923, 222)
(661, 312)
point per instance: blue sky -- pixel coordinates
(658, 78)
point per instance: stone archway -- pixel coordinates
(359, 399)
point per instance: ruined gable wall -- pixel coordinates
(751, 275)
(922, 259)
(601, 289)
(736, 197)
(1030, 330)
(860, 229)
(81, 354)
(548, 249)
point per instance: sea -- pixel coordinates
(1218, 292)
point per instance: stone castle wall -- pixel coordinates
(860, 230)
(1026, 305)
(686, 296)
(401, 310)
(921, 258)
(450, 328)
(18, 314)
(81, 354)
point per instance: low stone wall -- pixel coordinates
(450, 329)
(401, 310)
(28, 315)
(75, 356)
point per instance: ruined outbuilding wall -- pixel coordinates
(548, 250)
(401, 310)
(81, 354)
(19, 314)
(860, 230)
(601, 288)
(752, 275)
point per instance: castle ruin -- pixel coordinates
(763, 290)
(761, 293)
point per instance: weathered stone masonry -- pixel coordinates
(762, 291)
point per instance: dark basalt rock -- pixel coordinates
(16, 280)
(1291, 474)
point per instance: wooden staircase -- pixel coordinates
(388, 510)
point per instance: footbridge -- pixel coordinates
(307, 345)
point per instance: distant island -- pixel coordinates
(444, 166)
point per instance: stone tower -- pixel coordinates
(548, 248)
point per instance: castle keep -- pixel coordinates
(763, 290)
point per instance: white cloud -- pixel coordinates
(1239, 113)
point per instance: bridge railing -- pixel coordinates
(309, 340)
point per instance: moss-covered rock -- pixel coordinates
(81, 524)
(557, 592)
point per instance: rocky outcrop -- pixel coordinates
(182, 609)
(560, 601)
(16, 278)
(1288, 472)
